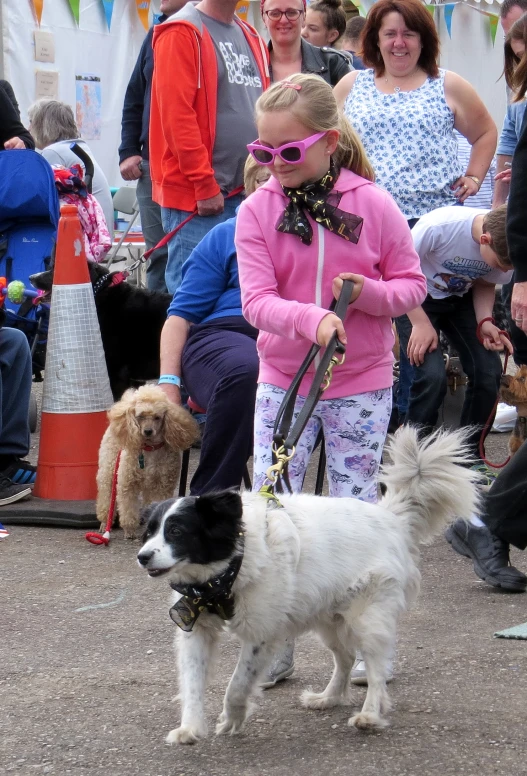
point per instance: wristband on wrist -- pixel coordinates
(171, 379)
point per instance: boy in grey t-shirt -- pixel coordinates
(463, 255)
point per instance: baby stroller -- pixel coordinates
(29, 216)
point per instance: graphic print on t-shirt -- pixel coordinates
(240, 68)
(464, 273)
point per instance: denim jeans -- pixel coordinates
(183, 243)
(153, 230)
(455, 317)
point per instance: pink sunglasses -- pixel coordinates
(290, 153)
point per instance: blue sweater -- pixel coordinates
(210, 287)
(136, 108)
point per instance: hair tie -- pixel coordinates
(289, 84)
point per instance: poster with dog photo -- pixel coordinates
(88, 106)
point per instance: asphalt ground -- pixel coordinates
(88, 680)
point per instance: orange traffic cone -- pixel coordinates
(77, 391)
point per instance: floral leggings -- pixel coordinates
(354, 427)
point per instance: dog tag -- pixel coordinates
(141, 461)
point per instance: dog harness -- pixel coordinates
(215, 596)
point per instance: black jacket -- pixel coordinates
(328, 63)
(10, 124)
(136, 108)
(516, 209)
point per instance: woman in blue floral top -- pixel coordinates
(405, 110)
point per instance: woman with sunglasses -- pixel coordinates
(289, 53)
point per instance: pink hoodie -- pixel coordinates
(286, 285)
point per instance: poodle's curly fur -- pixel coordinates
(143, 417)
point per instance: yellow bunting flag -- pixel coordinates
(242, 10)
(143, 6)
(38, 6)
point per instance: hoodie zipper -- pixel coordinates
(320, 271)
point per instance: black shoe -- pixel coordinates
(489, 553)
(9, 492)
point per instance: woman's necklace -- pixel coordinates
(397, 89)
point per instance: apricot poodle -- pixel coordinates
(151, 432)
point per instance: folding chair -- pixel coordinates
(125, 201)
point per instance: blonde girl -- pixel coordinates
(318, 220)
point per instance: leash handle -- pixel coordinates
(164, 240)
(283, 435)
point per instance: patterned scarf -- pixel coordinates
(315, 198)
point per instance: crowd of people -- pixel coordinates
(367, 162)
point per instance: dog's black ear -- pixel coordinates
(220, 523)
(217, 507)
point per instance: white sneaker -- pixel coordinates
(282, 666)
(358, 672)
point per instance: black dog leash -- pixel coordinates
(285, 438)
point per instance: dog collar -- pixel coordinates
(273, 502)
(147, 449)
(215, 596)
(112, 279)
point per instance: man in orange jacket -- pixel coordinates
(209, 69)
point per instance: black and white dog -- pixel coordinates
(130, 320)
(340, 567)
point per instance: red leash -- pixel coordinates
(171, 234)
(93, 536)
(488, 424)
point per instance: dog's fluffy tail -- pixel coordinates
(428, 482)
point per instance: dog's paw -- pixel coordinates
(230, 724)
(367, 720)
(186, 735)
(318, 700)
(129, 534)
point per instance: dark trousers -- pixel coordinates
(455, 317)
(505, 504)
(220, 372)
(15, 390)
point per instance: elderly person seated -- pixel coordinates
(54, 129)
(207, 343)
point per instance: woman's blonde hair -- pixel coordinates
(314, 105)
(515, 70)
